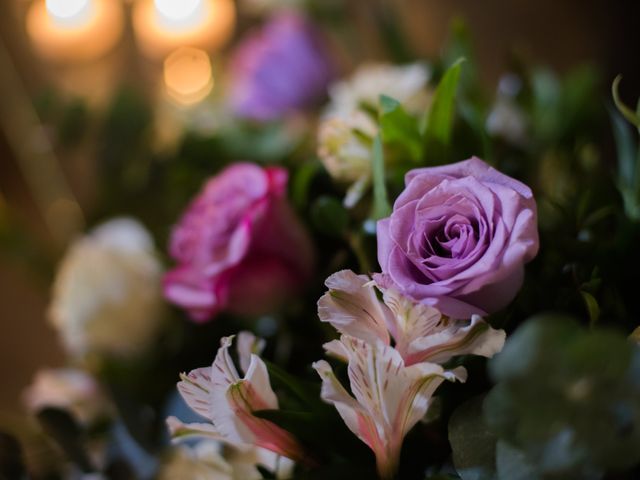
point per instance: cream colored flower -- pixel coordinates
(345, 146)
(508, 121)
(406, 84)
(69, 389)
(210, 460)
(106, 295)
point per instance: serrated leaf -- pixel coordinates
(62, 428)
(437, 127)
(381, 207)
(399, 128)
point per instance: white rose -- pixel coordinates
(406, 84)
(106, 295)
(68, 389)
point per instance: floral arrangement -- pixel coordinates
(388, 273)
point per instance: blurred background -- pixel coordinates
(82, 66)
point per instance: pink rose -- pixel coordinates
(239, 246)
(458, 238)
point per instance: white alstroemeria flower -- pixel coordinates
(390, 396)
(420, 332)
(69, 389)
(406, 84)
(228, 401)
(106, 295)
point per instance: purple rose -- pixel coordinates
(458, 238)
(239, 246)
(282, 68)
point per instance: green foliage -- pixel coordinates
(568, 400)
(381, 207)
(329, 216)
(399, 129)
(628, 181)
(437, 126)
(473, 445)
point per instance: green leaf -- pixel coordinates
(61, 427)
(329, 216)
(512, 464)
(473, 445)
(629, 114)
(592, 307)
(307, 393)
(302, 182)
(437, 127)
(381, 207)
(628, 154)
(399, 128)
(567, 398)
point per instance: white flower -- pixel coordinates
(405, 84)
(508, 121)
(68, 389)
(392, 385)
(390, 397)
(345, 146)
(207, 460)
(420, 332)
(227, 400)
(202, 462)
(106, 294)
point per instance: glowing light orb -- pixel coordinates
(188, 75)
(177, 10)
(67, 9)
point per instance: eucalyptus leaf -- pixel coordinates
(472, 443)
(564, 397)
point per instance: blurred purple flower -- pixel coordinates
(283, 67)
